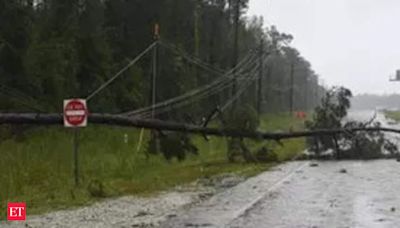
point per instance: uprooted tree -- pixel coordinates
(330, 114)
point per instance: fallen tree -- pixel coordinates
(331, 114)
(118, 120)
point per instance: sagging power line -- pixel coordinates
(217, 84)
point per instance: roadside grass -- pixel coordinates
(280, 122)
(394, 115)
(283, 122)
(37, 167)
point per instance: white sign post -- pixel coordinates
(75, 116)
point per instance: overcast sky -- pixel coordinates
(354, 43)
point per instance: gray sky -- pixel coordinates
(355, 43)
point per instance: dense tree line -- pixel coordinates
(51, 50)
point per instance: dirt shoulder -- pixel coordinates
(134, 211)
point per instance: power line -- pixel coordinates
(187, 102)
(245, 63)
(240, 92)
(190, 100)
(21, 101)
(188, 95)
(119, 73)
(209, 93)
(193, 60)
(21, 98)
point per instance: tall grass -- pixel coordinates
(394, 115)
(37, 168)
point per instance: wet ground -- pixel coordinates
(332, 194)
(133, 211)
(307, 194)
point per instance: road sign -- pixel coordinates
(75, 113)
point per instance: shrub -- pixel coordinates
(265, 155)
(172, 145)
(96, 189)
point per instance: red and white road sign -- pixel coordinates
(75, 113)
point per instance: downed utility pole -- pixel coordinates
(117, 120)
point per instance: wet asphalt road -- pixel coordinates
(298, 195)
(332, 194)
(365, 196)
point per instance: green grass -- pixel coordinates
(37, 168)
(394, 115)
(283, 123)
(280, 122)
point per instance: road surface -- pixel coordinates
(298, 194)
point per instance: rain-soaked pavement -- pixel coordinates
(298, 194)
(333, 194)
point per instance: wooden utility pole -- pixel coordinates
(153, 81)
(153, 86)
(235, 44)
(196, 33)
(291, 95)
(76, 156)
(260, 77)
(307, 93)
(197, 29)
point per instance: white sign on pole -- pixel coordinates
(75, 113)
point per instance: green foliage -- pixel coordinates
(96, 189)
(238, 149)
(173, 145)
(351, 145)
(54, 50)
(393, 115)
(266, 155)
(332, 110)
(329, 115)
(366, 145)
(260, 150)
(243, 118)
